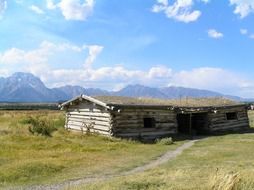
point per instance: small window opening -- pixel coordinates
(231, 116)
(149, 122)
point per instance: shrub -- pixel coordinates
(165, 141)
(40, 126)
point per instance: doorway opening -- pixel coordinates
(193, 123)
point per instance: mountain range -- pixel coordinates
(25, 87)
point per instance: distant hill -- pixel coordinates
(25, 87)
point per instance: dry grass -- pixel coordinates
(225, 181)
(32, 159)
(188, 102)
(216, 163)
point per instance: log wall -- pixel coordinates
(88, 117)
(219, 123)
(129, 123)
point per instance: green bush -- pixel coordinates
(165, 141)
(40, 126)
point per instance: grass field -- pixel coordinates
(27, 159)
(219, 162)
(215, 163)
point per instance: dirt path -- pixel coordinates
(152, 164)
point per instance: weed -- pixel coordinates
(142, 185)
(165, 141)
(225, 181)
(41, 126)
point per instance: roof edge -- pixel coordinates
(84, 97)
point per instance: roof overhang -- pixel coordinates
(83, 97)
(114, 107)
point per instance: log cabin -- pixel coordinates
(147, 118)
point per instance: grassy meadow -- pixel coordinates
(27, 158)
(215, 163)
(218, 162)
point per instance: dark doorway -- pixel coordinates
(183, 121)
(149, 122)
(192, 124)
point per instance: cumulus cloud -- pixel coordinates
(3, 7)
(203, 77)
(205, 1)
(251, 36)
(180, 10)
(87, 74)
(93, 51)
(243, 31)
(73, 9)
(51, 5)
(212, 33)
(36, 9)
(243, 7)
(214, 79)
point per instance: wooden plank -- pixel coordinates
(154, 134)
(95, 124)
(127, 115)
(105, 123)
(96, 128)
(140, 122)
(139, 130)
(74, 117)
(87, 110)
(90, 114)
(238, 127)
(99, 132)
(228, 126)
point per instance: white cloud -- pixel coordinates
(252, 36)
(93, 51)
(36, 60)
(160, 72)
(243, 7)
(205, 1)
(180, 10)
(3, 7)
(36, 9)
(51, 5)
(73, 9)
(214, 34)
(214, 79)
(19, 1)
(87, 74)
(243, 31)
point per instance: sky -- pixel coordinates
(108, 44)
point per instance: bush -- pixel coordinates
(165, 141)
(40, 126)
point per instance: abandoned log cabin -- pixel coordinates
(144, 118)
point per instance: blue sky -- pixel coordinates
(206, 44)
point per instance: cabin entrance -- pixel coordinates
(192, 123)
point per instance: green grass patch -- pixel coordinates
(27, 159)
(216, 163)
(221, 163)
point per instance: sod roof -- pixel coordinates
(184, 102)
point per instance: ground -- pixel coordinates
(219, 162)
(27, 159)
(209, 164)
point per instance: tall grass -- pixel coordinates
(225, 181)
(216, 163)
(31, 159)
